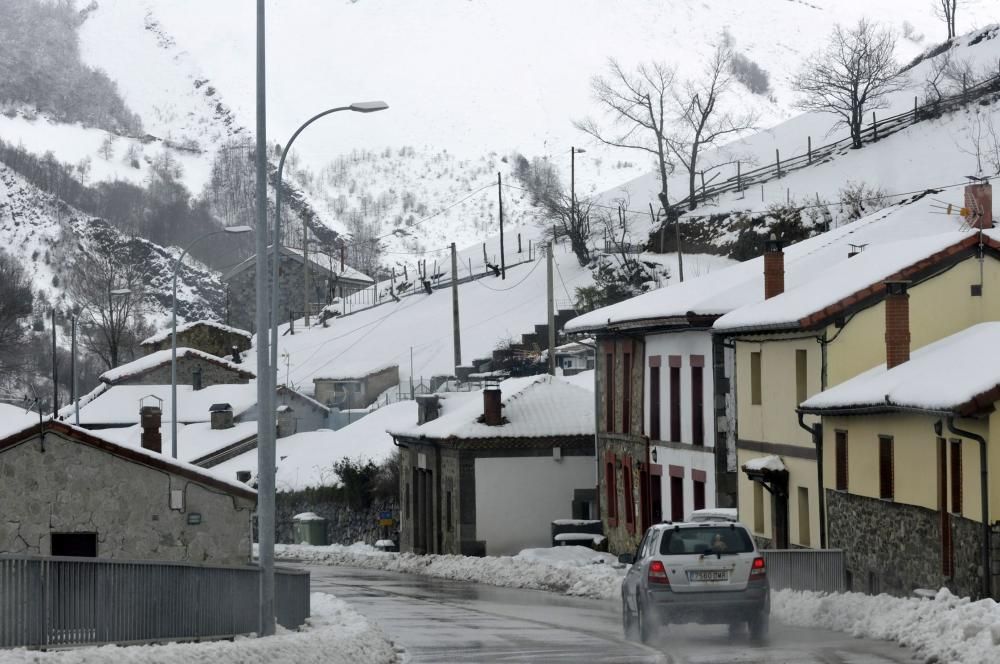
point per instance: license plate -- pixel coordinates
(709, 575)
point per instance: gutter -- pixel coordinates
(983, 496)
(816, 431)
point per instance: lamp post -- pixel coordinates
(573, 151)
(231, 230)
(75, 319)
(268, 383)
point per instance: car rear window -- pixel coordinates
(714, 539)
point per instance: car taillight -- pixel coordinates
(759, 569)
(657, 573)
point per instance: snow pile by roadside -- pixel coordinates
(335, 634)
(943, 629)
(573, 570)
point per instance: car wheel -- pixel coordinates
(759, 626)
(646, 625)
(628, 622)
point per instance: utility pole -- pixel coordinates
(55, 370)
(265, 395)
(552, 311)
(305, 268)
(671, 216)
(454, 306)
(72, 367)
(503, 266)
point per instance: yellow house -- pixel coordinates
(828, 329)
(908, 454)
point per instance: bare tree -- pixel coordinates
(111, 326)
(557, 211)
(699, 123)
(945, 10)
(852, 75)
(15, 306)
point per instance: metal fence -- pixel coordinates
(806, 569)
(50, 602)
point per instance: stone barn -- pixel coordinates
(194, 367)
(204, 335)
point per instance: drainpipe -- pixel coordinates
(816, 431)
(983, 497)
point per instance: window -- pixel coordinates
(447, 510)
(885, 468)
(627, 393)
(701, 539)
(699, 495)
(801, 372)
(654, 403)
(956, 476)
(840, 460)
(804, 534)
(611, 491)
(758, 508)
(676, 498)
(697, 401)
(675, 398)
(79, 545)
(406, 496)
(609, 393)
(629, 498)
(755, 379)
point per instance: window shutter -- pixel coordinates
(885, 468)
(841, 460)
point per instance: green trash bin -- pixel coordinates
(309, 528)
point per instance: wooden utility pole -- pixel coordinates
(305, 268)
(454, 306)
(552, 311)
(503, 266)
(55, 370)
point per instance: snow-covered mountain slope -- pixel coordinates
(928, 154)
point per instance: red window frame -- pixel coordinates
(611, 488)
(627, 482)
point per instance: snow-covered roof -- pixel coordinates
(347, 273)
(533, 407)
(135, 454)
(306, 460)
(725, 290)
(355, 368)
(184, 327)
(194, 441)
(848, 281)
(960, 373)
(769, 462)
(161, 357)
(119, 404)
(14, 418)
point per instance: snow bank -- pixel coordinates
(943, 629)
(573, 570)
(335, 634)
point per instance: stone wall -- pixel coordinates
(345, 525)
(895, 548)
(205, 338)
(71, 487)
(211, 374)
(615, 449)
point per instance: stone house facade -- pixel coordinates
(360, 391)
(194, 368)
(68, 492)
(207, 336)
(327, 282)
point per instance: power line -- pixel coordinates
(501, 290)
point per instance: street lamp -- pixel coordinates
(573, 151)
(117, 292)
(266, 424)
(231, 230)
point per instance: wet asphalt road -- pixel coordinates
(444, 621)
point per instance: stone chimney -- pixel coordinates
(979, 205)
(285, 420)
(150, 417)
(774, 268)
(492, 409)
(428, 408)
(897, 323)
(196, 378)
(237, 358)
(222, 416)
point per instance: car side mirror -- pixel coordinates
(626, 558)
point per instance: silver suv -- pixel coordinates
(704, 572)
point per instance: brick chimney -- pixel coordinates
(774, 268)
(150, 417)
(897, 323)
(222, 416)
(492, 409)
(979, 205)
